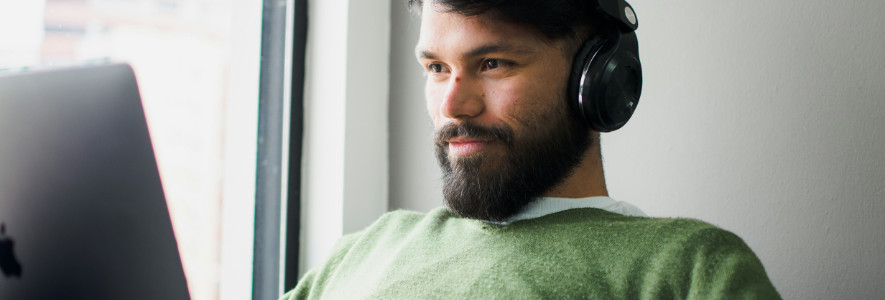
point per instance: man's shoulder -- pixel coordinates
(655, 232)
(691, 231)
(405, 219)
(576, 220)
(590, 225)
(592, 218)
(399, 222)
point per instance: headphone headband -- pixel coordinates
(621, 11)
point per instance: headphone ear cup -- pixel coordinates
(580, 66)
(609, 83)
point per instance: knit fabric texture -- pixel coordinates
(574, 254)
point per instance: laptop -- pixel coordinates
(82, 209)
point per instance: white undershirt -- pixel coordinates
(547, 205)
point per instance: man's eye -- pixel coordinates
(434, 68)
(489, 64)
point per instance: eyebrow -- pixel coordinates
(483, 50)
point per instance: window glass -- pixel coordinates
(181, 53)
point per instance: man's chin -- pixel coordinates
(474, 166)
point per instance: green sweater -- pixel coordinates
(574, 254)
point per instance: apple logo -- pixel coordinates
(8, 264)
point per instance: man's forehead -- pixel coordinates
(482, 33)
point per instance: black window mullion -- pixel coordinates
(296, 131)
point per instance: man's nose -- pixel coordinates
(462, 98)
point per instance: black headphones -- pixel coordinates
(606, 77)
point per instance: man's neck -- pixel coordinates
(586, 180)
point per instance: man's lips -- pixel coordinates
(460, 146)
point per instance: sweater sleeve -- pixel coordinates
(724, 267)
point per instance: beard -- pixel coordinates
(494, 187)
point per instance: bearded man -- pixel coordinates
(512, 89)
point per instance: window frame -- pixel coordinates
(280, 131)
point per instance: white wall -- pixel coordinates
(766, 118)
(344, 164)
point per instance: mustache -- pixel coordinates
(473, 130)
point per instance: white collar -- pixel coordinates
(548, 205)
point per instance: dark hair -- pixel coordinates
(554, 18)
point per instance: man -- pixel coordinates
(527, 213)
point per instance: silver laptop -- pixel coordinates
(82, 210)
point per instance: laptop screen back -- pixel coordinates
(81, 204)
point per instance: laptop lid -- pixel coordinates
(82, 208)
